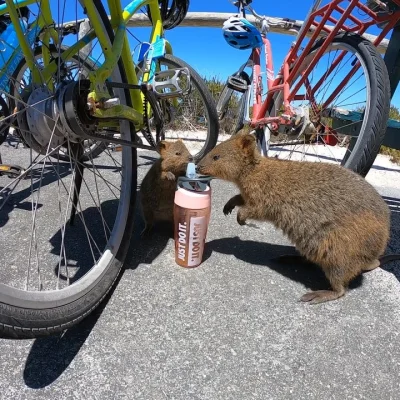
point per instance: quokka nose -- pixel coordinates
(190, 159)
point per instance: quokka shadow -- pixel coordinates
(267, 255)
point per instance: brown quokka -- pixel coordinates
(335, 218)
(159, 185)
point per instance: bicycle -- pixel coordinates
(318, 106)
(82, 213)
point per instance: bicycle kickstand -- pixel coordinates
(76, 149)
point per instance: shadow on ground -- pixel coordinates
(150, 161)
(49, 357)
(308, 274)
(266, 255)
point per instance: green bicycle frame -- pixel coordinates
(112, 52)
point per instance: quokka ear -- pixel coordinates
(162, 146)
(247, 142)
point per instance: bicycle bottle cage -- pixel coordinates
(169, 83)
(237, 83)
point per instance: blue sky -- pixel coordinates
(205, 48)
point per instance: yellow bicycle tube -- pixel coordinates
(23, 41)
(44, 22)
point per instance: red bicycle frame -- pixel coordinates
(290, 78)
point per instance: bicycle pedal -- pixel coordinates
(172, 83)
(12, 171)
(237, 83)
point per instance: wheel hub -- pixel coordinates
(41, 115)
(53, 118)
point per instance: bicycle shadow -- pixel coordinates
(16, 199)
(49, 357)
(150, 160)
(75, 240)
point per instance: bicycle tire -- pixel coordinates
(207, 99)
(223, 100)
(240, 121)
(366, 149)
(40, 318)
(238, 124)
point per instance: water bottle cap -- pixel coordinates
(192, 181)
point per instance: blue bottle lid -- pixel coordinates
(191, 170)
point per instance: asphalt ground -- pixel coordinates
(232, 328)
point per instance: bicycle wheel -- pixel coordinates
(65, 226)
(192, 118)
(21, 78)
(344, 113)
(231, 107)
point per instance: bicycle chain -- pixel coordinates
(149, 98)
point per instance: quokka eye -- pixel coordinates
(178, 153)
(215, 158)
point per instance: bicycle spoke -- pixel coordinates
(34, 212)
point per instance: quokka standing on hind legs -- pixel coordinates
(335, 218)
(158, 186)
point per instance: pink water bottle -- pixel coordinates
(191, 217)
